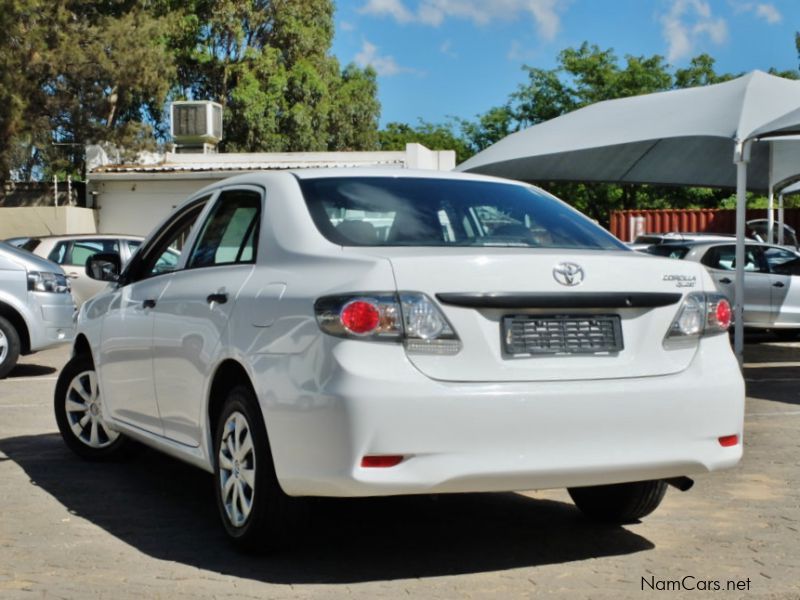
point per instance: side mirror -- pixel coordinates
(104, 266)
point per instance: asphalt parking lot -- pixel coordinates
(147, 528)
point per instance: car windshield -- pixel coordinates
(407, 211)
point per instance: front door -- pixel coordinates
(125, 365)
(721, 261)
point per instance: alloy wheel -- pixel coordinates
(85, 412)
(237, 469)
(3, 347)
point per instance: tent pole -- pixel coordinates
(771, 197)
(780, 219)
(742, 155)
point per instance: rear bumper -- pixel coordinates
(367, 399)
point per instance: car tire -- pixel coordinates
(9, 347)
(79, 413)
(619, 503)
(254, 510)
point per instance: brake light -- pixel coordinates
(361, 317)
(410, 317)
(701, 314)
(726, 441)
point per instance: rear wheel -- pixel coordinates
(78, 407)
(619, 503)
(254, 509)
(9, 347)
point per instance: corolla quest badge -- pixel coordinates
(568, 274)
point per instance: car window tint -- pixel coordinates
(724, 259)
(668, 250)
(411, 211)
(230, 232)
(777, 257)
(58, 253)
(162, 254)
(82, 250)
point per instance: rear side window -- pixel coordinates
(230, 232)
(81, 250)
(723, 258)
(406, 211)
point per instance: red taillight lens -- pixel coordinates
(381, 461)
(723, 314)
(360, 317)
(728, 440)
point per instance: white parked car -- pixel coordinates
(72, 251)
(492, 338)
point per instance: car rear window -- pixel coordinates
(408, 211)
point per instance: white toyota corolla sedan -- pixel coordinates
(374, 332)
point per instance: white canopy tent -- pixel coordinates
(703, 136)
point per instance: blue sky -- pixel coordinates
(441, 58)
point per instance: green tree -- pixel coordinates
(395, 136)
(89, 71)
(268, 63)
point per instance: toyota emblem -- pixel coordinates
(568, 274)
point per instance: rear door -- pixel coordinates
(191, 317)
(721, 263)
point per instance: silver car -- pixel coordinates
(36, 306)
(771, 280)
(72, 251)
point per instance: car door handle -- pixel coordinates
(778, 284)
(149, 303)
(725, 280)
(219, 298)
(72, 275)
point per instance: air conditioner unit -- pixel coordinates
(196, 122)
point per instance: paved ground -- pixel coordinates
(148, 528)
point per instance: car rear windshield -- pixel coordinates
(407, 211)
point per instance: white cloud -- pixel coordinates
(763, 10)
(545, 13)
(769, 13)
(384, 65)
(689, 22)
(346, 26)
(446, 48)
(394, 8)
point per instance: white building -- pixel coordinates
(134, 198)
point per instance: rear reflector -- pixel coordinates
(381, 461)
(728, 440)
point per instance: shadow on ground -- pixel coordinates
(771, 369)
(166, 510)
(28, 370)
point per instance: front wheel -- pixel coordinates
(254, 509)
(619, 503)
(78, 407)
(9, 347)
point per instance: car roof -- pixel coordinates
(86, 236)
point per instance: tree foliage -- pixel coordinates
(74, 72)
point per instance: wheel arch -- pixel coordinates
(13, 316)
(228, 373)
(81, 346)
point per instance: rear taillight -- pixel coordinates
(700, 314)
(410, 317)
